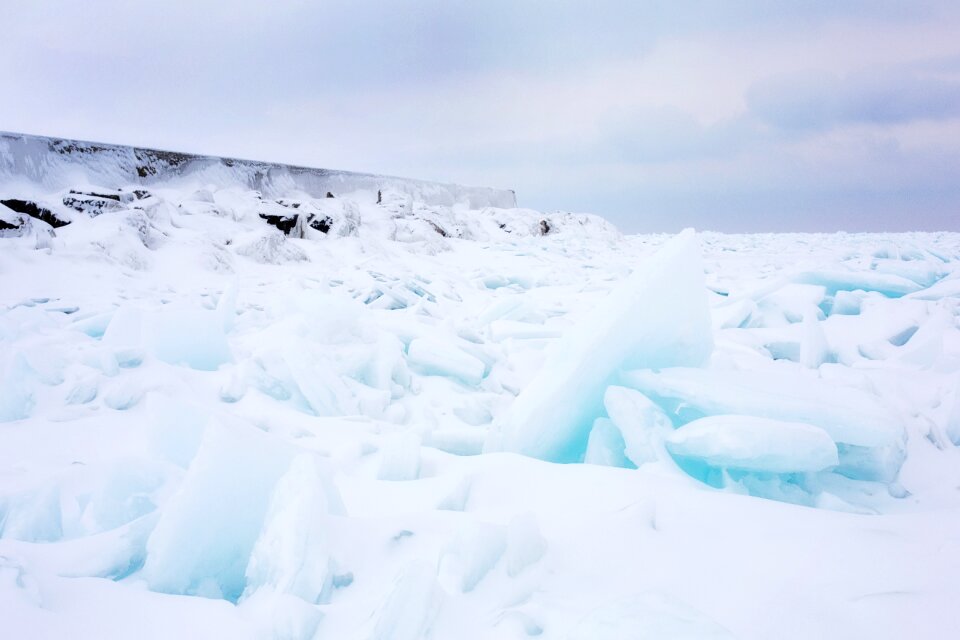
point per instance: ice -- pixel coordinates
(280, 616)
(657, 317)
(123, 492)
(605, 445)
(412, 606)
(462, 441)
(177, 334)
(642, 424)
(189, 336)
(176, 428)
(848, 414)
(892, 286)
(472, 552)
(378, 360)
(433, 356)
(316, 378)
(525, 545)
(32, 515)
(16, 392)
(292, 554)
(846, 303)
(953, 415)
(203, 540)
(814, 350)
(755, 444)
(400, 457)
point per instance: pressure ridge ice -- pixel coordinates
(231, 406)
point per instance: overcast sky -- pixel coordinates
(727, 115)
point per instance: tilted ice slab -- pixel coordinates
(848, 414)
(755, 444)
(658, 317)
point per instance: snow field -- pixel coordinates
(209, 428)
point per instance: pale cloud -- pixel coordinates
(723, 114)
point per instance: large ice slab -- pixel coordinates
(204, 538)
(848, 414)
(755, 444)
(657, 317)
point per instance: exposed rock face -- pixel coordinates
(34, 210)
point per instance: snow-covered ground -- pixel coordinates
(410, 420)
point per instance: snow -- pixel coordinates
(209, 428)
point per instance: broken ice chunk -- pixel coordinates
(813, 344)
(892, 286)
(525, 545)
(657, 317)
(190, 336)
(605, 446)
(400, 457)
(207, 530)
(848, 414)
(292, 553)
(755, 444)
(432, 356)
(411, 607)
(16, 388)
(642, 423)
(471, 554)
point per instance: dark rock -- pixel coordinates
(92, 204)
(544, 227)
(438, 229)
(94, 194)
(329, 195)
(34, 210)
(10, 222)
(284, 223)
(321, 224)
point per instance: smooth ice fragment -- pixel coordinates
(755, 444)
(642, 424)
(292, 553)
(435, 357)
(525, 545)
(605, 446)
(848, 414)
(400, 457)
(190, 336)
(16, 388)
(472, 552)
(814, 350)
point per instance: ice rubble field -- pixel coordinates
(435, 422)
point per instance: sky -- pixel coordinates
(734, 115)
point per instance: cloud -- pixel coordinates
(681, 109)
(819, 100)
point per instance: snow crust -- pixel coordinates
(212, 427)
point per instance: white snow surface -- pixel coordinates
(210, 429)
